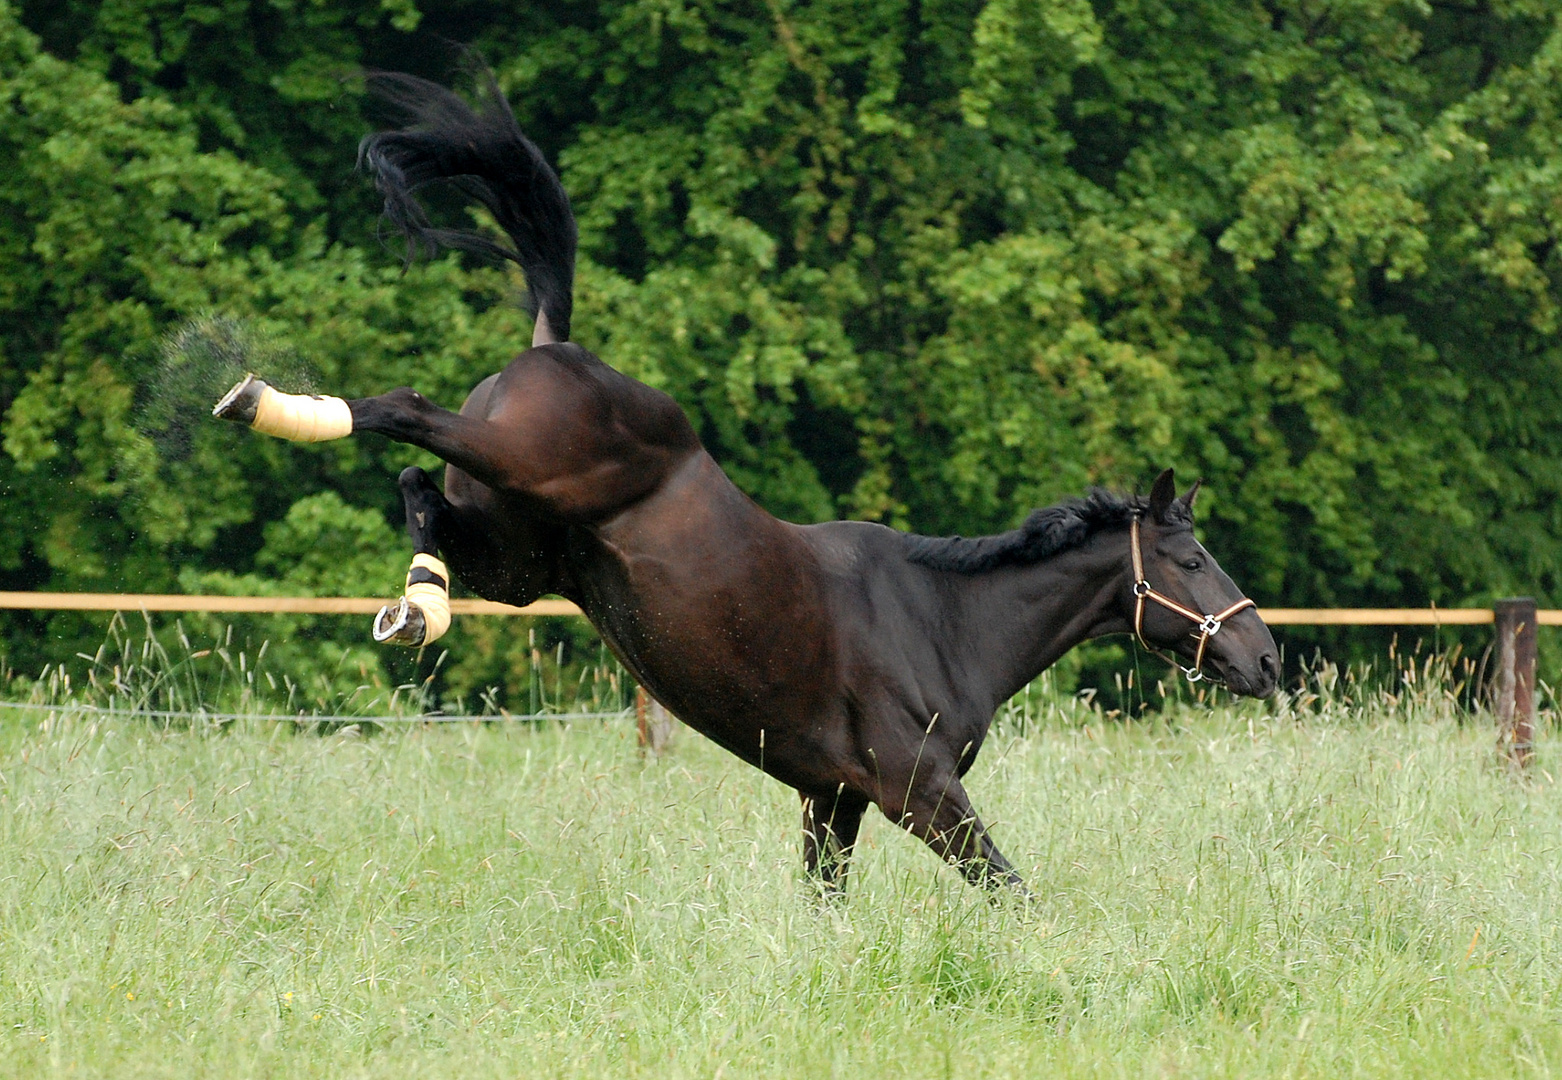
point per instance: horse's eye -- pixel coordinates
(1193, 566)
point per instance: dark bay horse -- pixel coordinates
(859, 665)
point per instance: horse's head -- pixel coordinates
(1180, 600)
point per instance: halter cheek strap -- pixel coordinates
(1206, 626)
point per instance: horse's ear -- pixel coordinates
(1162, 495)
(1192, 493)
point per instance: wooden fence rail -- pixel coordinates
(255, 605)
(369, 605)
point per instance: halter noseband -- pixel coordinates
(1206, 626)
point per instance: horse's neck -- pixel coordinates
(1020, 620)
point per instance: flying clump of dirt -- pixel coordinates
(201, 360)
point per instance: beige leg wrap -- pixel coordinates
(432, 597)
(422, 615)
(301, 417)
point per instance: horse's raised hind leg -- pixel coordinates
(940, 814)
(829, 832)
(499, 551)
(467, 442)
(422, 615)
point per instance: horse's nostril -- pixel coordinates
(1269, 665)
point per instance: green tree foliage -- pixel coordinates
(930, 263)
(118, 226)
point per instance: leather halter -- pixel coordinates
(1206, 626)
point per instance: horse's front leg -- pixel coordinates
(830, 828)
(936, 809)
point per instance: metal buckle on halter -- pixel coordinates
(1141, 589)
(1210, 626)
(1193, 675)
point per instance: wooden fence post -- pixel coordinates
(653, 724)
(1515, 683)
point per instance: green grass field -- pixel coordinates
(1228, 893)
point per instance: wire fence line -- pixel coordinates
(308, 718)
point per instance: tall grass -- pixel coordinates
(1322, 886)
(182, 675)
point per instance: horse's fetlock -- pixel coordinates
(410, 398)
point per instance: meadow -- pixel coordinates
(1310, 887)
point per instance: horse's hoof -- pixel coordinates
(402, 624)
(241, 403)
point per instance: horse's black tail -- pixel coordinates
(483, 154)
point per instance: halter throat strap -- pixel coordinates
(1205, 626)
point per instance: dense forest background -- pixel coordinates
(929, 262)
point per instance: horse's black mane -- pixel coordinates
(1046, 532)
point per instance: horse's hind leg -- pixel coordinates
(829, 832)
(467, 442)
(422, 614)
